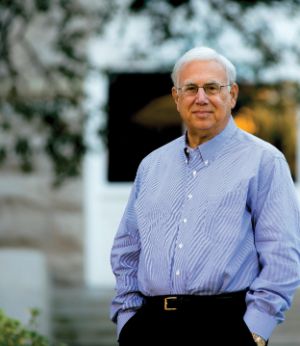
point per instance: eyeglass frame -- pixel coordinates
(203, 87)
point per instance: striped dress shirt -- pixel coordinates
(215, 219)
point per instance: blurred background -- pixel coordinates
(84, 96)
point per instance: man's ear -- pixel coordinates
(175, 96)
(234, 92)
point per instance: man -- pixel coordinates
(208, 249)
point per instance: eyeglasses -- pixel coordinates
(209, 89)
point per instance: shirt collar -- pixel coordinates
(210, 149)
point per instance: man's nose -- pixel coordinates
(201, 96)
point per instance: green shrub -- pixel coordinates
(13, 333)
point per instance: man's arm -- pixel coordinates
(277, 240)
(124, 261)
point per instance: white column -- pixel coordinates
(104, 202)
(94, 177)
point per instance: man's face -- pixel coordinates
(204, 115)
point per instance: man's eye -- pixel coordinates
(191, 88)
(212, 87)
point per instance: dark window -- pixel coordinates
(142, 116)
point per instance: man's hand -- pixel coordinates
(259, 340)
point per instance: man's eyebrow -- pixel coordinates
(208, 82)
(188, 82)
(213, 82)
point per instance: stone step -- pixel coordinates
(68, 294)
(81, 317)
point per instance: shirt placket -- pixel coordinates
(194, 163)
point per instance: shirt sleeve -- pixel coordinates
(124, 261)
(277, 240)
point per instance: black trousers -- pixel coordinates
(189, 321)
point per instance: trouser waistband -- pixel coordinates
(182, 302)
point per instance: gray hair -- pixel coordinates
(204, 54)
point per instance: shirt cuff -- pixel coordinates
(123, 317)
(260, 323)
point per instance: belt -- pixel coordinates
(183, 302)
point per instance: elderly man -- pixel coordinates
(208, 249)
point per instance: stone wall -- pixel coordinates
(35, 215)
(32, 213)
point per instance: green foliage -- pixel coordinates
(13, 333)
(206, 22)
(249, 3)
(41, 101)
(138, 5)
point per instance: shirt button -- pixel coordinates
(206, 162)
(177, 272)
(180, 246)
(190, 196)
(184, 220)
(194, 173)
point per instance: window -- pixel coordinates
(142, 116)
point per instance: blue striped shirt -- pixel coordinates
(218, 218)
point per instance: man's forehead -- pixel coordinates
(203, 65)
(201, 79)
(210, 69)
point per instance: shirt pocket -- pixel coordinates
(228, 215)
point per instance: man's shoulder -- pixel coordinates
(253, 142)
